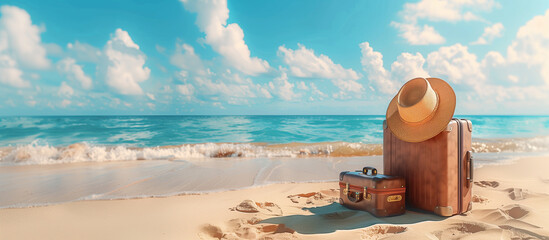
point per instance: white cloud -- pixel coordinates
(417, 35)
(151, 96)
(346, 87)
(65, 90)
(185, 89)
(185, 58)
(84, 52)
(125, 64)
(492, 59)
(531, 46)
(437, 10)
(372, 63)
(319, 94)
(302, 86)
(21, 39)
(230, 87)
(65, 103)
(282, 88)
(20, 46)
(74, 71)
(489, 34)
(225, 39)
(446, 10)
(408, 66)
(455, 64)
(10, 74)
(304, 63)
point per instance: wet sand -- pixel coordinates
(510, 202)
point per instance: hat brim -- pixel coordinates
(421, 131)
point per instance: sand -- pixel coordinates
(510, 202)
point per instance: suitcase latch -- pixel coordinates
(346, 189)
(367, 196)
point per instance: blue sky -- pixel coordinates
(268, 57)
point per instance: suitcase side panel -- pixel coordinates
(429, 167)
(467, 185)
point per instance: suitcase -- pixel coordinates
(438, 171)
(380, 195)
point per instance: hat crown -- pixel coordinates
(416, 100)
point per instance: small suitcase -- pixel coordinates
(380, 195)
(438, 171)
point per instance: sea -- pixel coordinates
(54, 159)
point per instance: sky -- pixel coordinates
(247, 57)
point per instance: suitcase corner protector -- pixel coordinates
(444, 211)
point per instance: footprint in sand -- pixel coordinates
(382, 231)
(516, 211)
(492, 184)
(210, 232)
(508, 224)
(315, 198)
(249, 206)
(517, 193)
(253, 229)
(479, 199)
(461, 229)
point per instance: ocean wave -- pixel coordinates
(535, 144)
(40, 153)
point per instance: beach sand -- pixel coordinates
(510, 202)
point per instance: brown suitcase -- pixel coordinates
(438, 171)
(380, 195)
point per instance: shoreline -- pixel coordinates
(43, 185)
(509, 201)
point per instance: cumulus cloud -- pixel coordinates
(74, 71)
(417, 35)
(225, 39)
(304, 62)
(21, 39)
(408, 66)
(446, 10)
(20, 46)
(281, 87)
(84, 52)
(531, 45)
(372, 64)
(10, 74)
(455, 64)
(436, 10)
(489, 34)
(186, 90)
(346, 87)
(125, 64)
(185, 58)
(65, 90)
(228, 86)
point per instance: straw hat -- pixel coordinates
(421, 109)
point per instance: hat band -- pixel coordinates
(427, 118)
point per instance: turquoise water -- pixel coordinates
(49, 140)
(182, 153)
(151, 131)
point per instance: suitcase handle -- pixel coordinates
(469, 157)
(372, 170)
